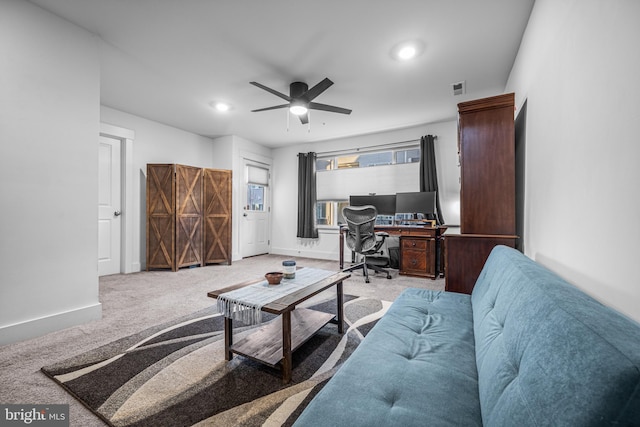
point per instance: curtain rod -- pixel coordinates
(367, 148)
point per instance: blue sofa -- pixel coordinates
(525, 349)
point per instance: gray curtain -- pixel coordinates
(307, 196)
(428, 171)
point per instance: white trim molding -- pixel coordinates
(41, 326)
(126, 137)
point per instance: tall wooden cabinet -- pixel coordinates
(486, 145)
(188, 216)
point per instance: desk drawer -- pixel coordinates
(417, 244)
(418, 232)
(414, 262)
(418, 256)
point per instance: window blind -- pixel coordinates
(339, 184)
(257, 175)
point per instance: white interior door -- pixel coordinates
(109, 205)
(256, 210)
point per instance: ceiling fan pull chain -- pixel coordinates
(287, 110)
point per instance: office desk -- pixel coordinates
(419, 249)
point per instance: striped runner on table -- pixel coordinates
(245, 304)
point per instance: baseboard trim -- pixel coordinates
(44, 325)
(330, 256)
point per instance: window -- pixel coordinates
(324, 164)
(257, 186)
(408, 156)
(371, 158)
(255, 197)
(329, 213)
(387, 170)
(365, 160)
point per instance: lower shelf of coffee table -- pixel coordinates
(265, 344)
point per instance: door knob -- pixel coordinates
(117, 213)
(244, 214)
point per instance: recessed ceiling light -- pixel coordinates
(220, 106)
(407, 50)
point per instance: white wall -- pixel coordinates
(285, 179)
(235, 150)
(158, 143)
(49, 124)
(578, 69)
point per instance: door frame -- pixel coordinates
(127, 243)
(258, 160)
(109, 193)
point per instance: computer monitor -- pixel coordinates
(385, 203)
(418, 202)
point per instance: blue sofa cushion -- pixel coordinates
(416, 367)
(548, 354)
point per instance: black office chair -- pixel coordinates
(362, 239)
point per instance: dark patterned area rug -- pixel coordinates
(175, 374)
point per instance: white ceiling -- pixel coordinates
(167, 60)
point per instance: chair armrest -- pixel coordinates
(381, 236)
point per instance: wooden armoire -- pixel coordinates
(486, 146)
(188, 216)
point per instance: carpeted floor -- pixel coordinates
(135, 302)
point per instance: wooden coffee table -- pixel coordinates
(275, 342)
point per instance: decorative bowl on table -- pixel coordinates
(274, 277)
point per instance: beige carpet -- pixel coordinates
(132, 303)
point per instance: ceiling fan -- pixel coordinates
(300, 99)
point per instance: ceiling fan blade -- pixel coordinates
(275, 92)
(330, 108)
(318, 89)
(275, 107)
(304, 118)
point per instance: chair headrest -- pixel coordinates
(359, 214)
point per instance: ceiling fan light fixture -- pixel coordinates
(301, 99)
(298, 110)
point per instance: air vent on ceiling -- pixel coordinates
(459, 88)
